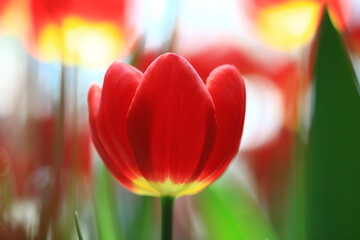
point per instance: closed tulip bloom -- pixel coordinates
(166, 132)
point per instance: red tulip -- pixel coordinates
(166, 132)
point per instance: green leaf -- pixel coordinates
(333, 164)
(108, 223)
(296, 224)
(228, 212)
(143, 226)
(78, 227)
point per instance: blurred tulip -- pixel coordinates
(258, 67)
(76, 148)
(4, 161)
(353, 30)
(271, 167)
(166, 132)
(39, 152)
(354, 39)
(288, 25)
(92, 32)
(9, 231)
(3, 4)
(10, 22)
(77, 154)
(20, 162)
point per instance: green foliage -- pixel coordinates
(143, 225)
(228, 212)
(333, 165)
(105, 207)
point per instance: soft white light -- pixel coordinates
(12, 74)
(264, 113)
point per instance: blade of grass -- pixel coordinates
(78, 227)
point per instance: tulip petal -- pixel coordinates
(94, 102)
(120, 83)
(228, 93)
(171, 122)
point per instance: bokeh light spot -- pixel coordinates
(289, 25)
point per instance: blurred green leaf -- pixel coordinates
(78, 227)
(108, 224)
(143, 227)
(295, 226)
(333, 164)
(228, 212)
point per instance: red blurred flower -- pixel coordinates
(36, 150)
(4, 161)
(88, 32)
(165, 131)
(271, 165)
(353, 30)
(257, 66)
(3, 3)
(260, 67)
(76, 154)
(354, 39)
(10, 22)
(11, 231)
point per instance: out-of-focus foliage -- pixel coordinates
(228, 211)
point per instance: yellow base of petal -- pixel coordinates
(167, 188)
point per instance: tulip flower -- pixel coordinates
(166, 132)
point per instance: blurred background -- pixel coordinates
(297, 173)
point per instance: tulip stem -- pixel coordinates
(167, 204)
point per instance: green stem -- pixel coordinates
(167, 204)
